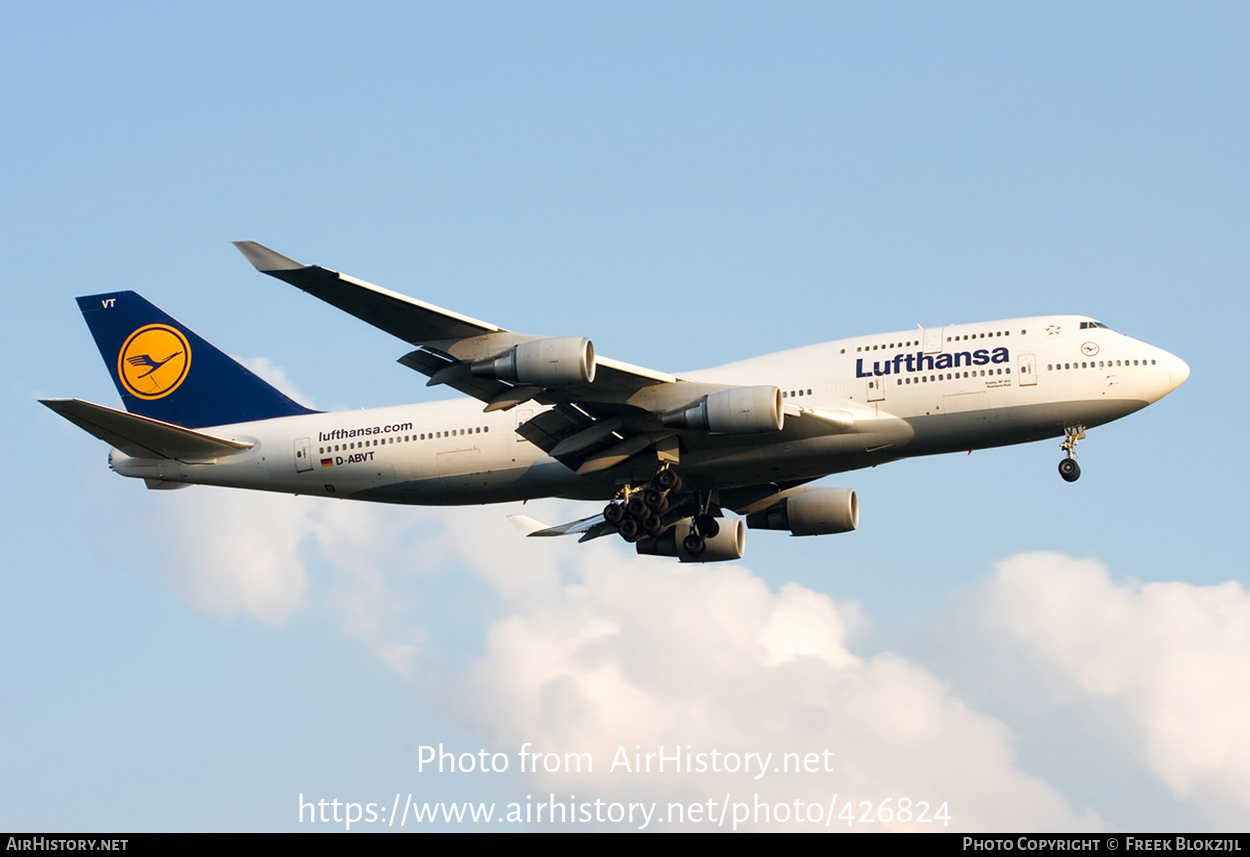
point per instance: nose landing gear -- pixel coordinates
(1068, 468)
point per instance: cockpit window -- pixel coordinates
(1088, 324)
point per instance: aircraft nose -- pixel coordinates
(1178, 370)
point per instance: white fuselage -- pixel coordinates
(910, 393)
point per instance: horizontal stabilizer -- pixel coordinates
(143, 437)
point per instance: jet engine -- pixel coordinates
(740, 410)
(730, 542)
(815, 512)
(553, 362)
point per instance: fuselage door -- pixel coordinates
(876, 389)
(1028, 370)
(933, 340)
(303, 454)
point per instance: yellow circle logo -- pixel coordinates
(153, 361)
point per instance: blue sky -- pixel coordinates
(688, 186)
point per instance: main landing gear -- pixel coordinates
(642, 512)
(1068, 468)
(703, 527)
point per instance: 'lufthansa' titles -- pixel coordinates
(920, 362)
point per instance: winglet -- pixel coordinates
(527, 525)
(265, 260)
(592, 527)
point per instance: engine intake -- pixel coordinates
(741, 410)
(816, 512)
(553, 362)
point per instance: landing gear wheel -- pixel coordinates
(693, 544)
(637, 508)
(667, 480)
(1069, 470)
(613, 513)
(656, 500)
(653, 526)
(630, 530)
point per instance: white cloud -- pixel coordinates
(647, 653)
(359, 541)
(239, 551)
(598, 649)
(1171, 660)
(275, 375)
(249, 552)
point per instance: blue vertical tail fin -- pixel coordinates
(163, 370)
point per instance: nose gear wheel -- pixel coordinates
(1068, 468)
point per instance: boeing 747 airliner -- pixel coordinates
(548, 417)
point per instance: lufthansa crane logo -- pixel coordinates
(153, 361)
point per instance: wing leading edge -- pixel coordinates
(596, 421)
(399, 315)
(451, 335)
(595, 424)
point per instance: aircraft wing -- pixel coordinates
(434, 328)
(589, 528)
(600, 418)
(399, 315)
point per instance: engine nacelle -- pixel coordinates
(741, 410)
(553, 362)
(816, 512)
(729, 543)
